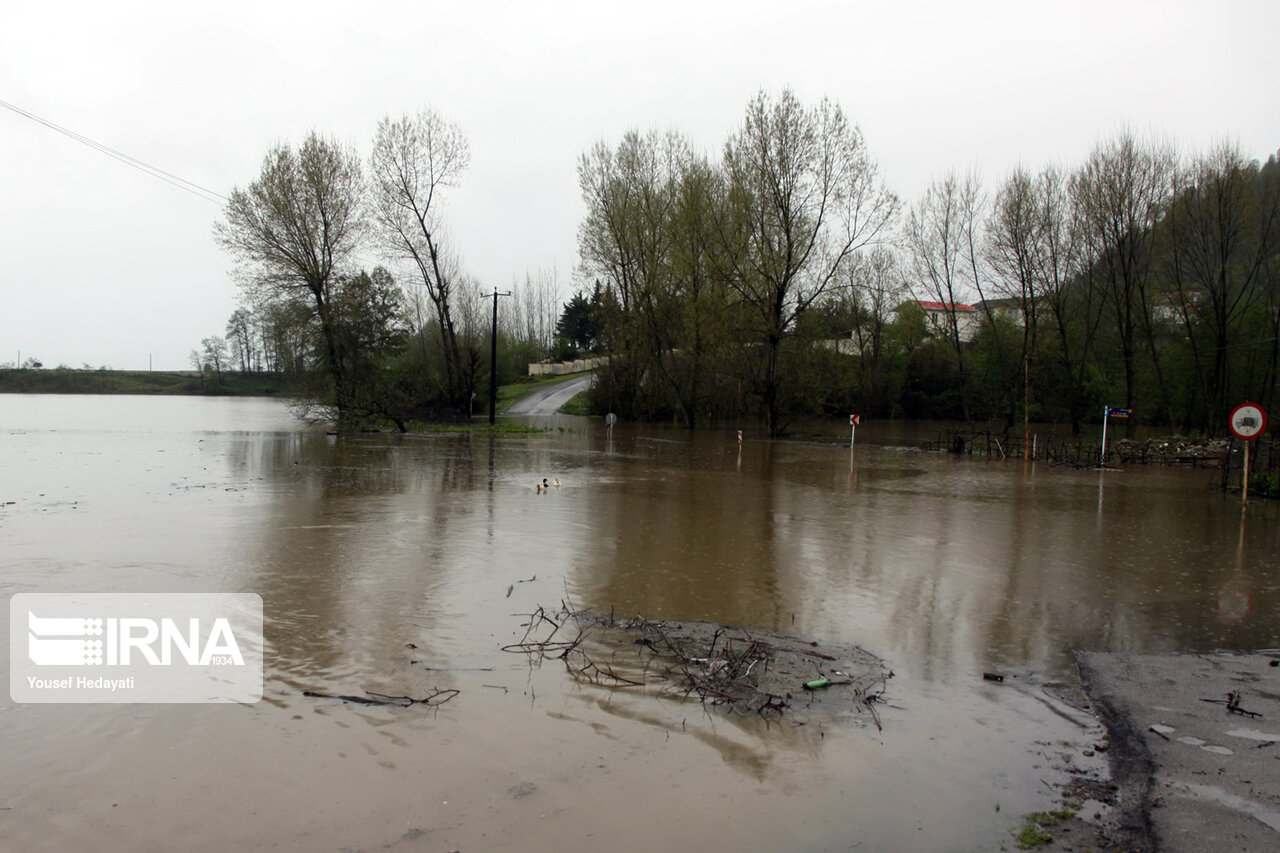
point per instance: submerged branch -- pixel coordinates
(434, 699)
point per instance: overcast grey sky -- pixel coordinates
(102, 264)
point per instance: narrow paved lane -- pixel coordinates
(548, 400)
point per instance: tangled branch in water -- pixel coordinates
(434, 699)
(727, 667)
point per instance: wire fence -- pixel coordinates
(1225, 455)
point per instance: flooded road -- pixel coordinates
(401, 564)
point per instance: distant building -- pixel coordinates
(938, 317)
(1171, 307)
(1010, 307)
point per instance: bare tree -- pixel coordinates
(293, 230)
(1121, 193)
(473, 329)
(532, 313)
(1015, 240)
(1269, 281)
(196, 358)
(240, 340)
(941, 245)
(415, 158)
(1015, 249)
(628, 191)
(703, 309)
(876, 289)
(1222, 233)
(809, 197)
(287, 331)
(625, 242)
(1071, 297)
(214, 349)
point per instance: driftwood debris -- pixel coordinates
(577, 661)
(432, 700)
(731, 668)
(1233, 705)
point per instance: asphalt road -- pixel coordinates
(548, 400)
(1200, 776)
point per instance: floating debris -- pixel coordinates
(740, 671)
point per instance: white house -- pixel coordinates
(938, 317)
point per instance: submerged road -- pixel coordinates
(548, 400)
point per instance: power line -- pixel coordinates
(154, 171)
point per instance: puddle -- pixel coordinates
(1268, 816)
(1253, 734)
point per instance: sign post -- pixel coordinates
(1107, 413)
(1247, 422)
(854, 420)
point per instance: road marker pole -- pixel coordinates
(1106, 413)
(853, 435)
(1245, 476)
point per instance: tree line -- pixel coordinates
(784, 279)
(406, 339)
(780, 279)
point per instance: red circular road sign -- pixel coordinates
(1248, 421)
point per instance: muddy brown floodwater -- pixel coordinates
(400, 564)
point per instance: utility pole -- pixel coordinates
(493, 358)
(1026, 407)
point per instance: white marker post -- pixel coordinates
(1106, 415)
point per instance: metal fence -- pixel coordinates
(1225, 455)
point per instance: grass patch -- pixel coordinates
(496, 429)
(480, 428)
(69, 381)
(458, 428)
(1035, 826)
(1031, 836)
(577, 405)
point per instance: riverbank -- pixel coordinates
(67, 381)
(189, 383)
